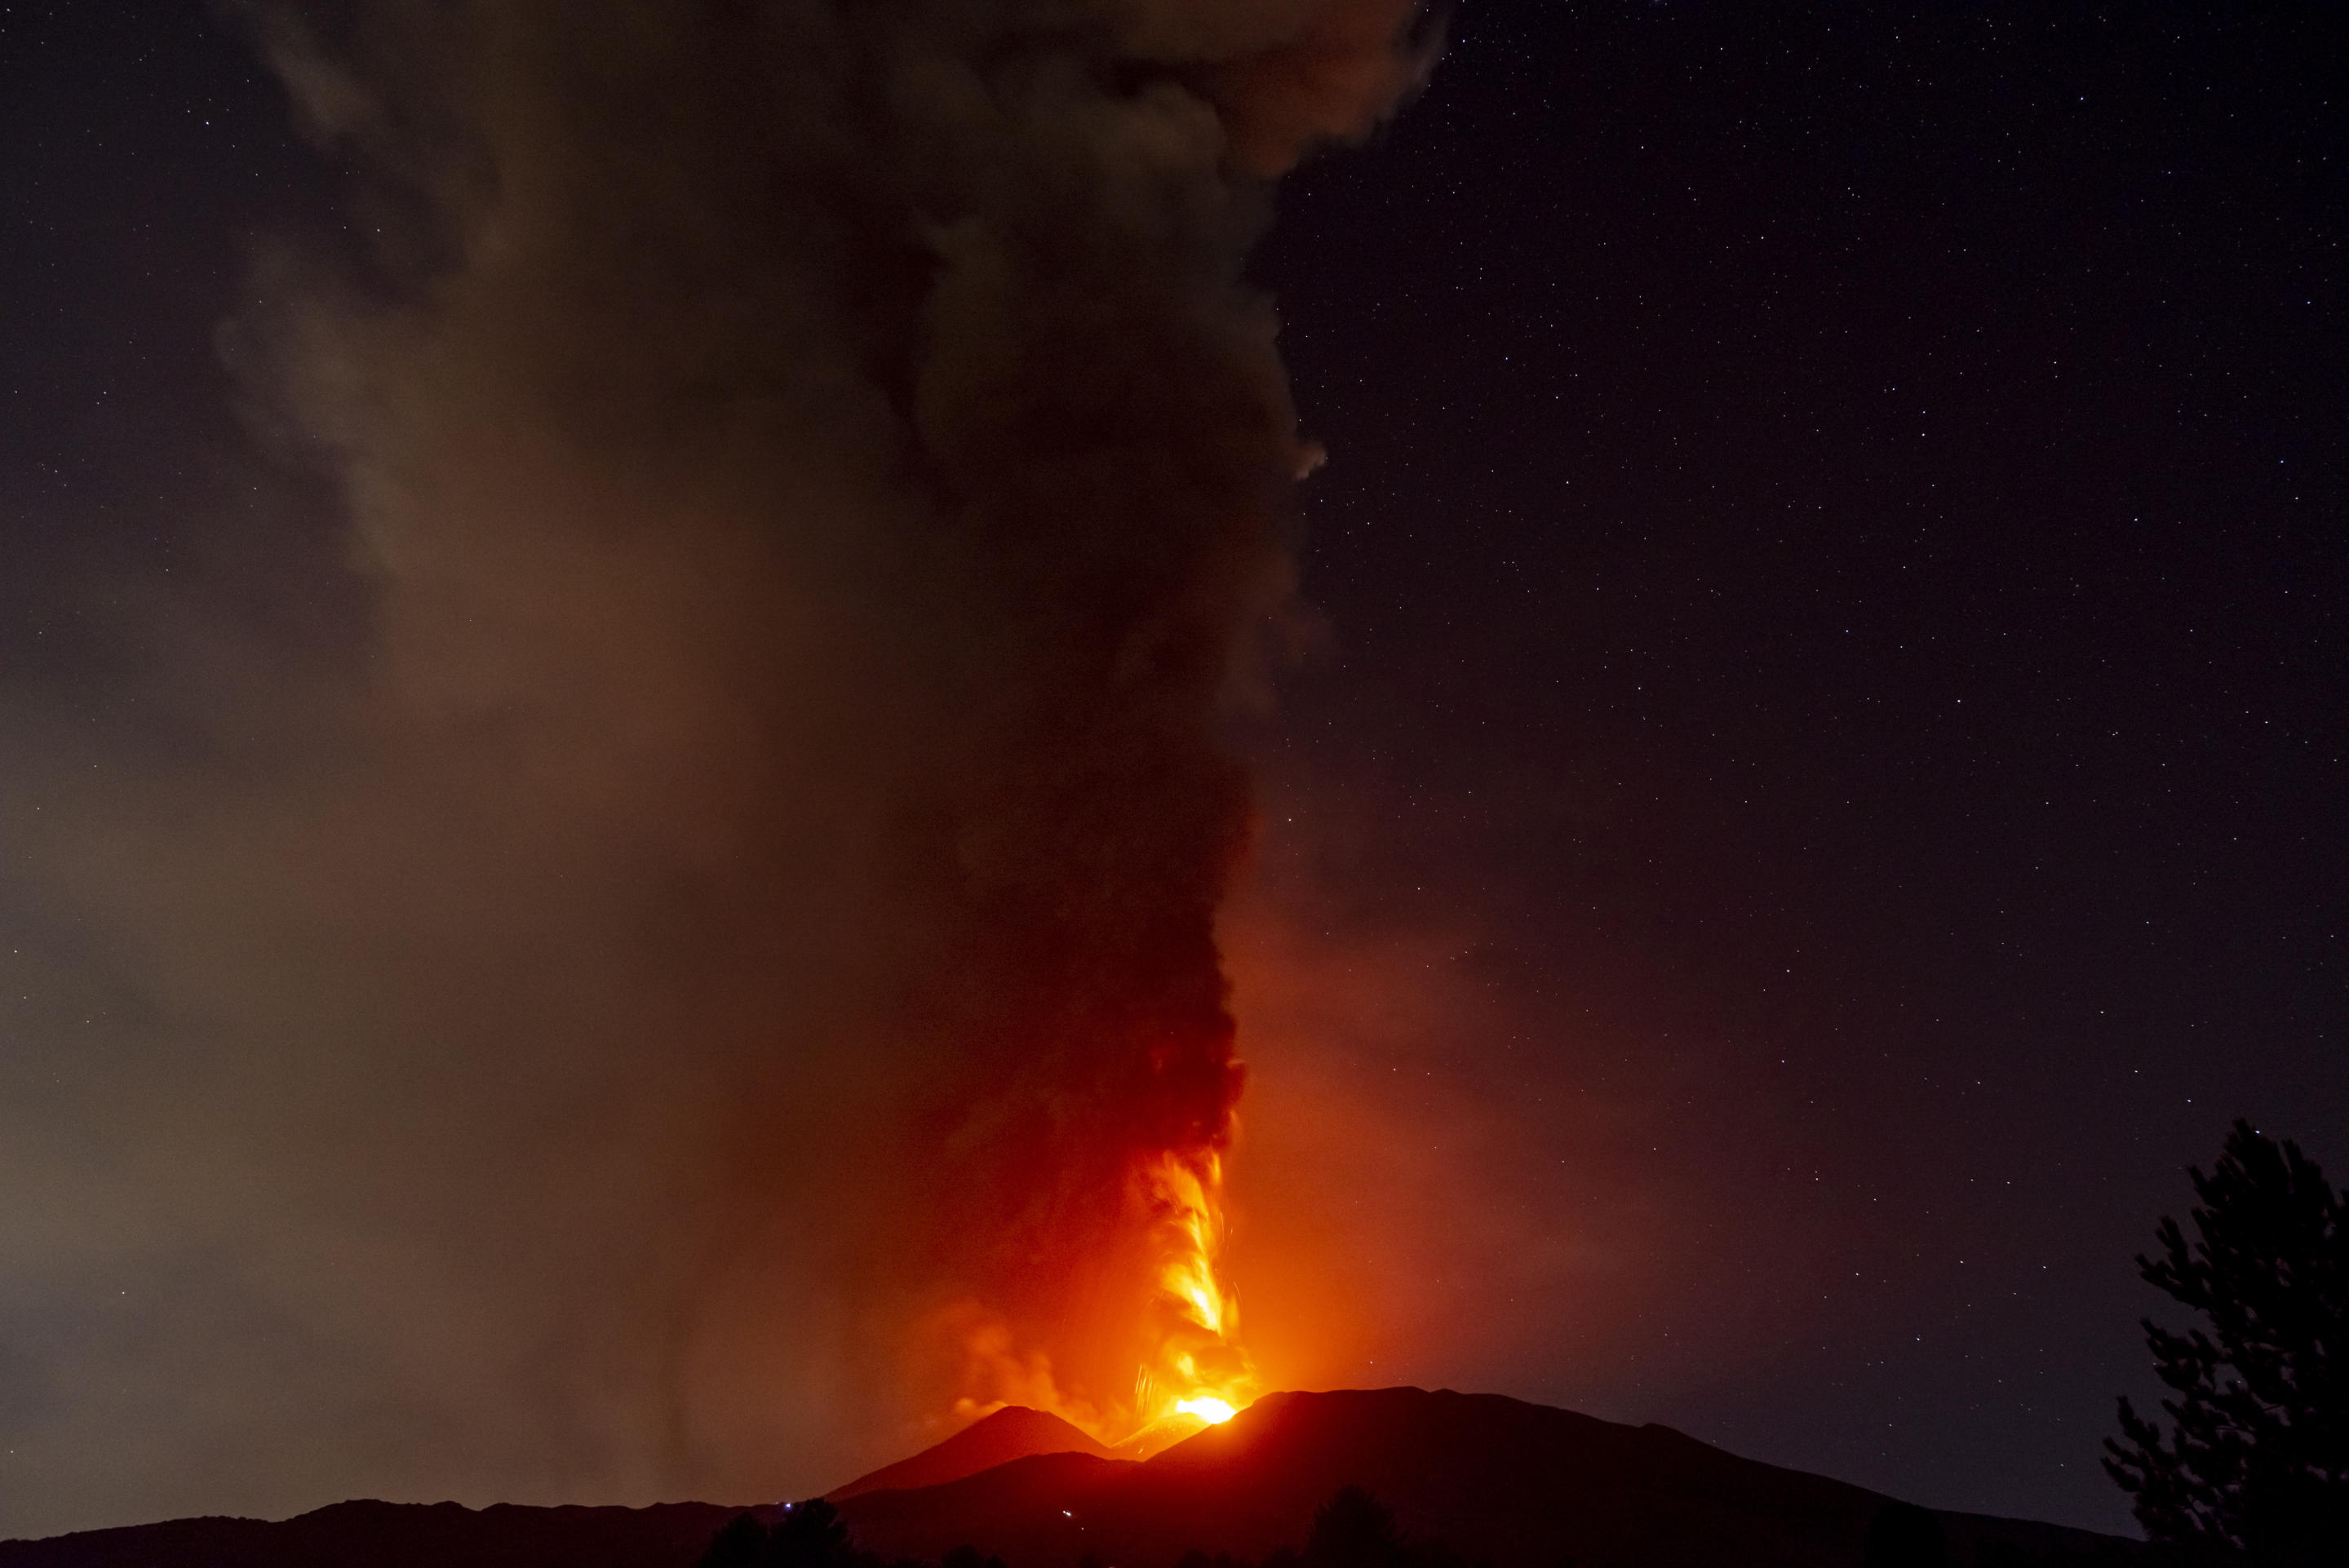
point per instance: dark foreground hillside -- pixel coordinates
(1495, 1481)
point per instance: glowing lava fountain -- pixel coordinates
(1195, 1372)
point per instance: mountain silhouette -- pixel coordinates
(1014, 1432)
(1495, 1479)
(1492, 1481)
(369, 1534)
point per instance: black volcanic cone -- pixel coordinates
(1014, 1432)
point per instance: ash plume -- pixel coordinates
(678, 986)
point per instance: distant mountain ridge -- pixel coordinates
(371, 1534)
(1497, 1480)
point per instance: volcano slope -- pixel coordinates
(1015, 1432)
(1491, 1479)
(1485, 1479)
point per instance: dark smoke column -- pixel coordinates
(859, 399)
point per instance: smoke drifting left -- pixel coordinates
(719, 964)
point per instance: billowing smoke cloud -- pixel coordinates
(674, 993)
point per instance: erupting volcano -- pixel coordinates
(820, 480)
(1179, 1316)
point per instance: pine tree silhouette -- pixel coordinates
(741, 1544)
(2257, 1469)
(809, 1535)
(1353, 1530)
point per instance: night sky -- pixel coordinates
(1806, 789)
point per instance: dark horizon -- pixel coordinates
(1803, 788)
(1433, 1478)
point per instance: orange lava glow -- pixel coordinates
(1195, 1366)
(1155, 1349)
